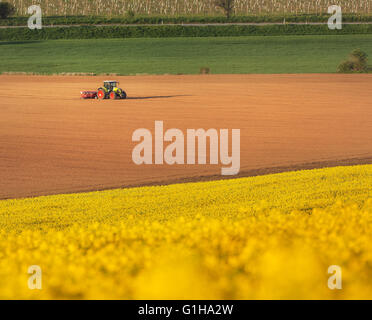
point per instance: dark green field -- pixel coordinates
(286, 54)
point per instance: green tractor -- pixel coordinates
(111, 90)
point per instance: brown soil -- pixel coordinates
(52, 142)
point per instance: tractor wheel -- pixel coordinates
(113, 95)
(101, 94)
(123, 95)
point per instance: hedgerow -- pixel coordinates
(154, 19)
(93, 32)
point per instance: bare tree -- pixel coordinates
(226, 5)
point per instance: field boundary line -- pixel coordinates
(210, 178)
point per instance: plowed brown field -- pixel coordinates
(53, 142)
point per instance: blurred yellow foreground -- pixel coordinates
(269, 237)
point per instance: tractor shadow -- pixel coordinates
(156, 97)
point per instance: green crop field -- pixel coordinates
(287, 54)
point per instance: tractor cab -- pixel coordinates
(110, 85)
(111, 90)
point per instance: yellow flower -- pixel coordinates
(254, 238)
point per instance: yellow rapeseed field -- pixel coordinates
(254, 238)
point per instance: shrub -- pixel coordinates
(205, 70)
(360, 59)
(357, 63)
(345, 67)
(6, 10)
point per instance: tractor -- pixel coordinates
(111, 90)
